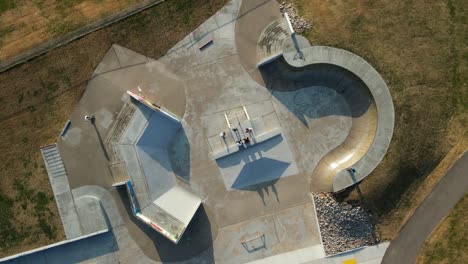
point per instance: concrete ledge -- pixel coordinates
(58, 180)
(269, 59)
(365, 255)
(61, 243)
(256, 140)
(381, 96)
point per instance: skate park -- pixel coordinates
(155, 143)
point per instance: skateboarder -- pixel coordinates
(222, 135)
(89, 118)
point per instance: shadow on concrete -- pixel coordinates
(336, 92)
(179, 155)
(195, 245)
(165, 142)
(249, 154)
(265, 189)
(259, 171)
(101, 142)
(74, 252)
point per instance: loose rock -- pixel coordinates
(343, 226)
(299, 24)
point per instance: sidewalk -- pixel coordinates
(406, 246)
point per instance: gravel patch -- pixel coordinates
(343, 226)
(299, 24)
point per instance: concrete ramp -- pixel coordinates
(141, 140)
(63, 196)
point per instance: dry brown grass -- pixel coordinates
(419, 47)
(31, 23)
(36, 99)
(449, 241)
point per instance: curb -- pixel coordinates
(69, 37)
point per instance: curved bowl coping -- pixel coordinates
(381, 96)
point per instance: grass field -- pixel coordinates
(37, 98)
(449, 241)
(419, 47)
(27, 23)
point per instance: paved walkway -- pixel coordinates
(405, 248)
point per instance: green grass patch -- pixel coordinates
(184, 8)
(60, 26)
(6, 5)
(8, 234)
(450, 240)
(4, 32)
(66, 5)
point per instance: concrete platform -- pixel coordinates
(256, 196)
(265, 162)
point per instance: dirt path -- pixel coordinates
(406, 246)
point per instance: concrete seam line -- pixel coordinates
(316, 220)
(78, 33)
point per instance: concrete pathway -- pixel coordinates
(365, 255)
(406, 246)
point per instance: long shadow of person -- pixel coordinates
(101, 142)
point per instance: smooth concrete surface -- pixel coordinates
(335, 112)
(90, 206)
(380, 96)
(200, 86)
(265, 162)
(179, 203)
(273, 234)
(139, 139)
(297, 256)
(365, 255)
(368, 138)
(62, 194)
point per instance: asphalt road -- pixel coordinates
(405, 247)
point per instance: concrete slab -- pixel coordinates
(157, 170)
(155, 81)
(159, 132)
(264, 162)
(90, 214)
(179, 203)
(269, 235)
(312, 111)
(137, 124)
(128, 57)
(71, 222)
(110, 62)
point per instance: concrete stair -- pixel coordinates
(59, 181)
(54, 163)
(116, 132)
(271, 40)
